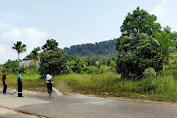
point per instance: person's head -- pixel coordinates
(20, 72)
(5, 72)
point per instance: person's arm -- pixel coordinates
(2, 78)
(5, 81)
(21, 79)
(45, 79)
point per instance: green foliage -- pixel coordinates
(19, 47)
(101, 48)
(149, 72)
(34, 54)
(53, 62)
(50, 44)
(135, 55)
(28, 70)
(78, 66)
(140, 21)
(165, 43)
(104, 69)
(10, 66)
(91, 70)
(91, 61)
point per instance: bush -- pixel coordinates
(92, 70)
(104, 69)
(149, 72)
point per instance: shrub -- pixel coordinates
(149, 72)
(92, 70)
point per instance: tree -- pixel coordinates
(10, 66)
(140, 21)
(53, 62)
(20, 48)
(50, 44)
(78, 66)
(164, 41)
(34, 55)
(134, 55)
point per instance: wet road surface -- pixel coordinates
(81, 106)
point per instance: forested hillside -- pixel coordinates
(99, 48)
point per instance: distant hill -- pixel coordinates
(99, 48)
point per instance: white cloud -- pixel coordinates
(32, 37)
(159, 11)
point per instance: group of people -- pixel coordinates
(47, 80)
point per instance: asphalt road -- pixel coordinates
(81, 106)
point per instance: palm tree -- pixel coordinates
(20, 48)
(35, 56)
(164, 40)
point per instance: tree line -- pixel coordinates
(99, 48)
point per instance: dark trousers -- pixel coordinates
(19, 90)
(4, 87)
(49, 87)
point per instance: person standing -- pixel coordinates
(20, 83)
(48, 81)
(4, 81)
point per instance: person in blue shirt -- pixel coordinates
(20, 83)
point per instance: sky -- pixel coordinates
(71, 22)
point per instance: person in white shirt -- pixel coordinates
(48, 81)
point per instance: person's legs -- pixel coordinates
(19, 90)
(49, 88)
(4, 88)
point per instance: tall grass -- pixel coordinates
(154, 88)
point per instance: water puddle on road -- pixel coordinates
(58, 92)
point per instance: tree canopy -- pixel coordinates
(140, 21)
(34, 54)
(53, 62)
(20, 48)
(99, 48)
(50, 44)
(135, 55)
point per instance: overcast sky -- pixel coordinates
(71, 22)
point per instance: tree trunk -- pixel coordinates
(163, 68)
(36, 65)
(18, 62)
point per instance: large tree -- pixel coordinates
(20, 48)
(140, 21)
(53, 62)
(135, 55)
(50, 44)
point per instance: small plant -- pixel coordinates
(149, 72)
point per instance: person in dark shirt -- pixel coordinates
(4, 81)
